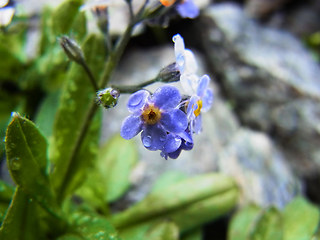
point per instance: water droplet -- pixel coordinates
(15, 164)
(147, 141)
(135, 101)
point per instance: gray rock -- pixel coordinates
(272, 80)
(261, 8)
(259, 168)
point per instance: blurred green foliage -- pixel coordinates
(298, 220)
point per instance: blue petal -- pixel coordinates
(207, 100)
(174, 121)
(166, 97)
(172, 143)
(131, 126)
(197, 124)
(186, 145)
(153, 137)
(188, 9)
(192, 106)
(203, 85)
(186, 136)
(137, 100)
(175, 154)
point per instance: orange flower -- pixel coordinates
(167, 3)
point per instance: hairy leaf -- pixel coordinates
(163, 231)
(20, 222)
(167, 179)
(243, 222)
(300, 220)
(26, 150)
(64, 15)
(71, 166)
(268, 226)
(200, 192)
(89, 226)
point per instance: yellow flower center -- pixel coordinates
(167, 3)
(198, 110)
(151, 114)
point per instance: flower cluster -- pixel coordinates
(166, 120)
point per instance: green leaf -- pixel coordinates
(115, 162)
(12, 50)
(64, 15)
(300, 220)
(110, 178)
(72, 166)
(206, 193)
(163, 231)
(89, 226)
(26, 150)
(20, 222)
(6, 192)
(186, 216)
(268, 226)
(46, 113)
(195, 234)
(243, 222)
(202, 211)
(167, 179)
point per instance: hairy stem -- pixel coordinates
(90, 75)
(134, 88)
(112, 62)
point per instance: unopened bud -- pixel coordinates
(108, 97)
(169, 73)
(72, 49)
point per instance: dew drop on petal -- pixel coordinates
(146, 141)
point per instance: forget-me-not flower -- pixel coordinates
(186, 8)
(156, 116)
(199, 102)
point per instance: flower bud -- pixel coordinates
(108, 97)
(169, 73)
(72, 49)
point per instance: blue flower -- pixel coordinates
(176, 143)
(199, 102)
(156, 116)
(186, 8)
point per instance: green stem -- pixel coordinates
(112, 62)
(134, 88)
(90, 75)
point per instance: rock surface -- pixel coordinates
(272, 80)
